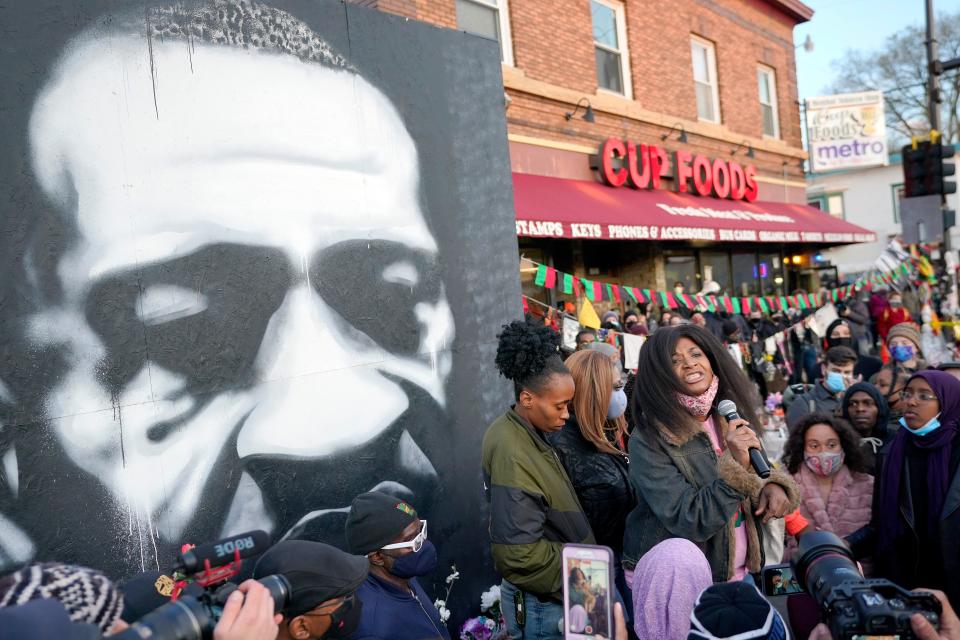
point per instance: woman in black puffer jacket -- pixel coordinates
(591, 448)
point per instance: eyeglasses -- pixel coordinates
(921, 396)
(416, 544)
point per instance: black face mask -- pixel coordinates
(841, 342)
(345, 621)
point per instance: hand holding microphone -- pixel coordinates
(742, 441)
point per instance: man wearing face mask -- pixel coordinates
(841, 333)
(323, 581)
(388, 531)
(826, 395)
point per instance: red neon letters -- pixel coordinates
(643, 166)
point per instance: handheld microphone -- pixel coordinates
(728, 410)
(221, 552)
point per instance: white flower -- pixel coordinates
(490, 624)
(452, 577)
(442, 610)
(489, 598)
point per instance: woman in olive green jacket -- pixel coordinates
(533, 506)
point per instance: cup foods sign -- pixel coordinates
(846, 131)
(624, 163)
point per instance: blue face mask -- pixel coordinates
(902, 352)
(835, 382)
(618, 404)
(933, 425)
(414, 565)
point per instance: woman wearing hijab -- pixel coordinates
(867, 411)
(915, 529)
(666, 584)
(591, 447)
(689, 468)
(840, 333)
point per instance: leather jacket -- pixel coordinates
(601, 481)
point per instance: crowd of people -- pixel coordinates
(641, 461)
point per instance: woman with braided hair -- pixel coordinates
(534, 509)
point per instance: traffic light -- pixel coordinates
(926, 165)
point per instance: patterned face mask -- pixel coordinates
(824, 464)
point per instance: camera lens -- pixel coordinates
(279, 589)
(822, 563)
(185, 619)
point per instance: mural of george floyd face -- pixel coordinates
(233, 303)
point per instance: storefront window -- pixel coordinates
(770, 270)
(745, 274)
(682, 269)
(715, 266)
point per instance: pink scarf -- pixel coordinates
(699, 406)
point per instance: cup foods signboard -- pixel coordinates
(846, 131)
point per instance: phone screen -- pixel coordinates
(779, 581)
(587, 598)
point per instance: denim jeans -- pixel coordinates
(544, 619)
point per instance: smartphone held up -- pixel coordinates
(588, 592)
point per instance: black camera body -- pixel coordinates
(876, 608)
(851, 605)
(209, 566)
(193, 618)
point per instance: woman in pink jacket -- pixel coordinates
(836, 491)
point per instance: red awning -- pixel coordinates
(559, 208)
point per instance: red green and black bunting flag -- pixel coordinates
(567, 283)
(546, 276)
(667, 299)
(745, 305)
(763, 305)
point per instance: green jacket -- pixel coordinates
(534, 510)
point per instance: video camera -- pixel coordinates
(853, 606)
(209, 566)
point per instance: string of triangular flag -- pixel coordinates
(596, 291)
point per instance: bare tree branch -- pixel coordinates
(899, 69)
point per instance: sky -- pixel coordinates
(839, 25)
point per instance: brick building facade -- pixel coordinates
(711, 77)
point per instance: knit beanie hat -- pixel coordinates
(375, 520)
(87, 595)
(735, 610)
(906, 330)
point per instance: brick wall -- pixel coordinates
(553, 51)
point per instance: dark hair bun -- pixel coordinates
(524, 349)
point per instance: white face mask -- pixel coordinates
(618, 404)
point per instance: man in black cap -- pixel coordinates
(387, 530)
(323, 584)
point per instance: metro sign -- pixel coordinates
(641, 166)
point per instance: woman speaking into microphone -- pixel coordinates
(689, 467)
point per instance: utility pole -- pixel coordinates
(933, 74)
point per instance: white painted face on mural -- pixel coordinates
(225, 199)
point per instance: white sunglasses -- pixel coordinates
(416, 544)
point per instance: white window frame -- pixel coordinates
(502, 7)
(712, 68)
(623, 51)
(771, 74)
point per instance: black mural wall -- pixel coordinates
(253, 258)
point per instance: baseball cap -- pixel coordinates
(375, 520)
(316, 572)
